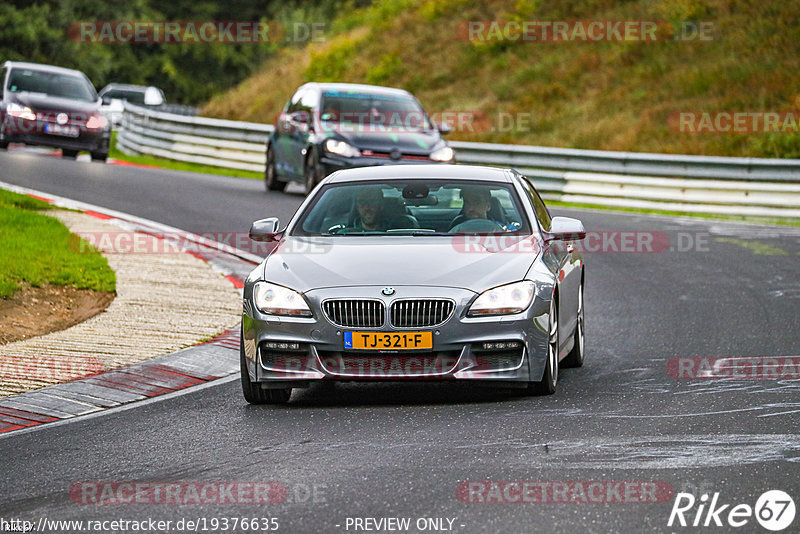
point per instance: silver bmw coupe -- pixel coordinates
(412, 273)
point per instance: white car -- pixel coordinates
(115, 95)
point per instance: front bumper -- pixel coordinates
(33, 133)
(298, 351)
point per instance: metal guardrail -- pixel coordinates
(215, 142)
(702, 184)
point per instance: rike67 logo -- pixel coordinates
(774, 510)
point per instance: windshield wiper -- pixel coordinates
(425, 233)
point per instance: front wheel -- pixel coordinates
(575, 357)
(547, 386)
(271, 180)
(100, 156)
(253, 392)
(69, 154)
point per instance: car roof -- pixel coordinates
(399, 172)
(125, 87)
(42, 67)
(357, 87)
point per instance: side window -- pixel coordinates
(542, 215)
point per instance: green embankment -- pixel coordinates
(39, 250)
(592, 95)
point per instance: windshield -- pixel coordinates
(134, 97)
(373, 111)
(414, 207)
(51, 83)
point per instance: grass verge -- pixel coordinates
(163, 163)
(40, 250)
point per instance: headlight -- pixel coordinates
(278, 300)
(23, 112)
(443, 154)
(341, 148)
(504, 300)
(96, 122)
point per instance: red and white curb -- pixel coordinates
(170, 373)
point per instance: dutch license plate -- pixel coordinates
(388, 341)
(58, 129)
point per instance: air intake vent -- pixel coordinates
(419, 313)
(355, 313)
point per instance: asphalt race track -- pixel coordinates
(402, 449)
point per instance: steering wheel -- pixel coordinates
(477, 225)
(336, 228)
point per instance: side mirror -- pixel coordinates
(153, 97)
(265, 230)
(444, 128)
(106, 100)
(565, 229)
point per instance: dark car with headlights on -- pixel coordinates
(415, 272)
(326, 127)
(52, 106)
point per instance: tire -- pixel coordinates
(69, 154)
(3, 145)
(271, 180)
(547, 386)
(575, 356)
(253, 392)
(311, 172)
(100, 156)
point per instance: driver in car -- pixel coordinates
(475, 213)
(476, 203)
(369, 203)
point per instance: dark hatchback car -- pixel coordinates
(326, 127)
(52, 106)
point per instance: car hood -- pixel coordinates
(304, 263)
(41, 102)
(406, 141)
